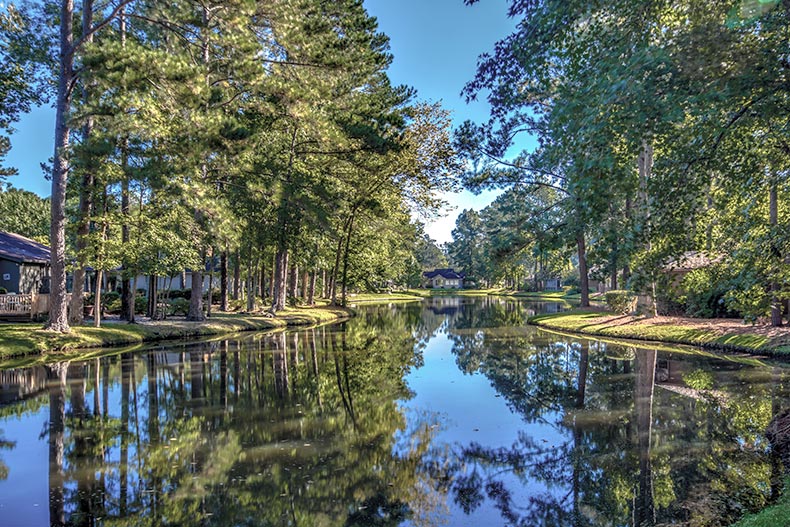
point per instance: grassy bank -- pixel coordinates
(728, 335)
(412, 295)
(18, 340)
(777, 515)
(385, 298)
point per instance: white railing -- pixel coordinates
(16, 304)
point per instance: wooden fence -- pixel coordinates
(24, 306)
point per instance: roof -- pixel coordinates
(449, 274)
(22, 250)
(692, 260)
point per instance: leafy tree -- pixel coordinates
(23, 212)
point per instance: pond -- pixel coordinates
(449, 412)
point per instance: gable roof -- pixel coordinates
(449, 274)
(22, 250)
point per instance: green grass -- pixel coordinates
(384, 298)
(777, 515)
(17, 340)
(565, 294)
(591, 323)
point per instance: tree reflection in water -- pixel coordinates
(293, 428)
(310, 428)
(640, 449)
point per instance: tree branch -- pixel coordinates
(98, 27)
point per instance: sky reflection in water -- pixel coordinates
(450, 412)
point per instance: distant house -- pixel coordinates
(443, 279)
(552, 284)
(24, 264)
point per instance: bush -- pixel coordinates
(752, 302)
(179, 306)
(140, 304)
(181, 293)
(214, 294)
(3, 291)
(621, 301)
(704, 294)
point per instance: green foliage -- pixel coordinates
(621, 301)
(178, 306)
(20, 87)
(705, 292)
(699, 379)
(23, 212)
(749, 299)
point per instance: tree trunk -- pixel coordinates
(58, 311)
(56, 375)
(86, 199)
(776, 256)
(223, 281)
(644, 508)
(196, 299)
(280, 279)
(97, 300)
(311, 289)
(626, 266)
(236, 275)
(150, 307)
(305, 286)
(584, 282)
(645, 163)
(127, 294)
(324, 288)
(210, 294)
(293, 281)
(132, 313)
(345, 260)
(263, 279)
(250, 288)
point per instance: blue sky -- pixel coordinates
(435, 44)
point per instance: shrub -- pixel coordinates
(3, 291)
(704, 293)
(181, 293)
(621, 301)
(179, 306)
(752, 302)
(140, 304)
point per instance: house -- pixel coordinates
(552, 284)
(24, 264)
(443, 279)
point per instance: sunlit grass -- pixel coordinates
(600, 324)
(29, 338)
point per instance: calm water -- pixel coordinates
(450, 412)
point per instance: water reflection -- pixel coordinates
(646, 437)
(360, 424)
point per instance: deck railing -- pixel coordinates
(16, 304)
(31, 306)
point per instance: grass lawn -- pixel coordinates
(777, 515)
(18, 340)
(565, 294)
(723, 334)
(385, 298)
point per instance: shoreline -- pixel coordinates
(714, 334)
(29, 340)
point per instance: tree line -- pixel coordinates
(263, 136)
(662, 131)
